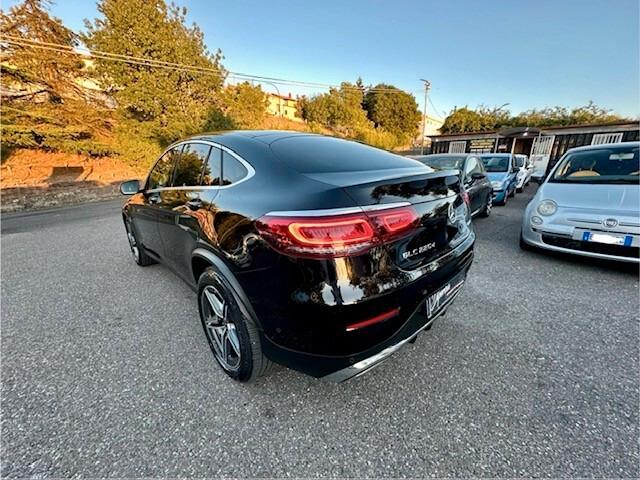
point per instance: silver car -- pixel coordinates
(589, 204)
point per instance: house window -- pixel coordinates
(458, 147)
(600, 138)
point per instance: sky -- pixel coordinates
(527, 54)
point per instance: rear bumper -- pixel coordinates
(499, 195)
(340, 367)
(366, 364)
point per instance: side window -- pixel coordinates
(190, 163)
(232, 170)
(213, 168)
(473, 166)
(162, 172)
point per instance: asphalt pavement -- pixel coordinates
(106, 371)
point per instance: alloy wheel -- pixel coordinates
(221, 331)
(489, 205)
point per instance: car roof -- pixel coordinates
(494, 154)
(264, 136)
(428, 156)
(608, 146)
(446, 154)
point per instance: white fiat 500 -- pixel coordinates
(589, 204)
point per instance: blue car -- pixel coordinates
(503, 173)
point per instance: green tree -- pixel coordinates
(462, 120)
(393, 110)
(43, 70)
(340, 109)
(482, 119)
(244, 105)
(44, 105)
(550, 116)
(175, 101)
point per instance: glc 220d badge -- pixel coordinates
(419, 250)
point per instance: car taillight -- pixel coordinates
(330, 236)
(393, 223)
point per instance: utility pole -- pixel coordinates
(427, 86)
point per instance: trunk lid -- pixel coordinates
(435, 196)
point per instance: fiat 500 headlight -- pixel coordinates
(496, 185)
(547, 207)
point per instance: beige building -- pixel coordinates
(433, 126)
(283, 106)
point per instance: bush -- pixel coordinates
(67, 140)
(378, 137)
(134, 143)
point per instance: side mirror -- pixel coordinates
(478, 176)
(130, 187)
(515, 169)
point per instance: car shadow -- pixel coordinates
(588, 262)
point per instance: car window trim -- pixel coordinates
(155, 164)
(250, 170)
(176, 161)
(182, 151)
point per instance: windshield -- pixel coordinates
(496, 164)
(602, 165)
(443, 162)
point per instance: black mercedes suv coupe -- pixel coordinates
(320, 254)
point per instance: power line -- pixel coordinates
(444, 114)
(149, 62)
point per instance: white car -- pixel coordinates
(589, 205)
(524, 175)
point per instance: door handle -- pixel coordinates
(194, 204)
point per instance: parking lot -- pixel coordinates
(106, 371)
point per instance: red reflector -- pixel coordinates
(465, 198)
(377, 319)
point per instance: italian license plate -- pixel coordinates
(437, 300)
(608, 238)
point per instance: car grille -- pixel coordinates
(604, 249)
(593, 221)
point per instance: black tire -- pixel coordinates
(513, 193)
(140, 255)
(486, 211)
(251, 362)
(519, 190)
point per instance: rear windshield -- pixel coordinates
(443, 162)
(496, 164)
(325, 154)
(602, 165)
